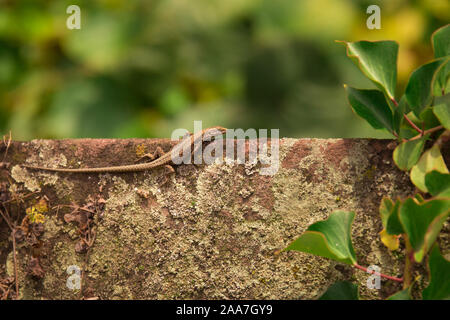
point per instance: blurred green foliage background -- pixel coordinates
(141, 68)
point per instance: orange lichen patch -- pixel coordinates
(311, 174)
(382, 150)
(251, 215)
(335, 152)
(298, 151)
(249, 146)
(149, 201)
(379, 146)
(263, 191)
(174, 224)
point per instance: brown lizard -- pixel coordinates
(193, 140)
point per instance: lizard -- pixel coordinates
(165, 159)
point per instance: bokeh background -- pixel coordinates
(141, 68)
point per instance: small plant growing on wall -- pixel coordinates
(420, 121)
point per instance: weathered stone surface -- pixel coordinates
(205, 232)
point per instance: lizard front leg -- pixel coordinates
(152, 156)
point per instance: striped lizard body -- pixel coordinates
(190, 141)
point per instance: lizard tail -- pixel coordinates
(135, 167)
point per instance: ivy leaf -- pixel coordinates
(330, 238)
(393, 226)
(378, 61)
(419, 198)
(387, 208)
(390, 241)
(441, 84)
(405, 294)
(407, 132)
(389, 217)
(441, 46)
(441, 41)
(341, 290)
(442, 112)
(429, 118)
(430, 160)
(445, 99)
(408, 153)
(438, 184)
(401, 109)
(371, 105)
(419, 90)
(439, 270)
(422, 222)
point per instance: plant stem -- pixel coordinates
(426, 132)
(408, 264)
(378, 274)
(412, 124)
(395, 102)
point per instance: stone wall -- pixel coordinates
(204, 232)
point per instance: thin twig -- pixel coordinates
(412, 124)
(7, 144)
(73, 207)
(6, 218)
(5, 295)
(91, 243)
(21, 198)
(429, 131)
(15, 264)
(378, 274)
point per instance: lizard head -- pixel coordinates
(213, 132)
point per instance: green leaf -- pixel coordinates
(438, 184)
(385, 210)
(401, 109)
(330, 238)
(371, 105)
(387, 207)
(430, 160)
(389, 216)
(405, 294)
(429, 118)
(441, 47)
(442, 85)
(408, 153)
(422, 222)
(419, 198)
(439, 268)
(406, 131)
(341, 290)
(393, 225)
(419, 89)
(442, 99)
(441, 41)
(442, 112)
(378, 61)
